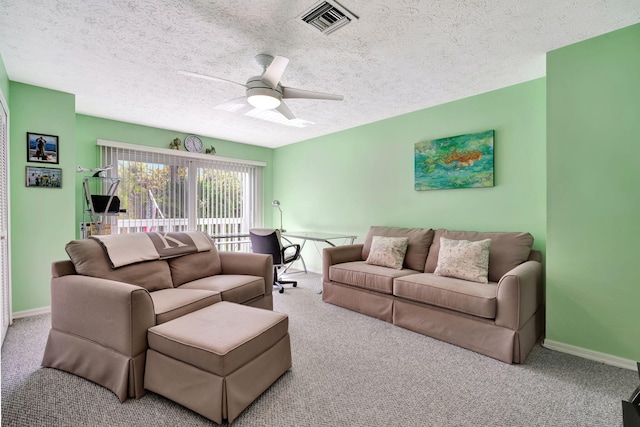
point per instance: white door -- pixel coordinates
(5, 276)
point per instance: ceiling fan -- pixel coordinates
(266, 91)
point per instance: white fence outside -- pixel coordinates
(229, 234)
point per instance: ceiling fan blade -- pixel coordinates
(285, 111)
(274, 71)
(241, 106)
(290, 92)
(203, 76)
(235, 105)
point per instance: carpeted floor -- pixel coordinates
(348, 370)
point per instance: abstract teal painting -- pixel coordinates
(461, 161)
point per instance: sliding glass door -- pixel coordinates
(163, 191)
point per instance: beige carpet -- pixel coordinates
(348, 370)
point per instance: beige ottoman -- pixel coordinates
(217, 360)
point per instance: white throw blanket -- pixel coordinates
(124, 249)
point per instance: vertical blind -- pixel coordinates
(168, 190)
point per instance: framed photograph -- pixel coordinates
(44, 177)
(42, 148)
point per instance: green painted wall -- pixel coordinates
(89, 129)
(593, 227)
(348, 181)
(42, 219)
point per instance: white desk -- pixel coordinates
(305, 236)
(315, 236)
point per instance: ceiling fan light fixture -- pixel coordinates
(262, 97)
(265, 102)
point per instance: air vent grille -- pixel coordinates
(327, 17)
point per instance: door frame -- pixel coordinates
(4, 106)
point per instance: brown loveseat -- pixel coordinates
(100, 314)
(503, 318)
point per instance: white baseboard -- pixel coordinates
(29, 313)
(591, 354)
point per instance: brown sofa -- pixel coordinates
(503, 318)
(100, 315)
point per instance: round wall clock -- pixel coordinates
(193, 143)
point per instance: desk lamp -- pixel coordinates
(276, 203)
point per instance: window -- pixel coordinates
(168, 190)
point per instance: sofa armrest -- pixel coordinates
(519, 295)
(113, 314)
(251, 264)
(62, 268)
(338, 255)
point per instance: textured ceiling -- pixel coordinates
(120, 57)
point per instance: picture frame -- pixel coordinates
(43, 177)
(42, 148)
(461, 161)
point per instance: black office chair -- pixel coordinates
(268, 241)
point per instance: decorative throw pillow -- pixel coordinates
(464, 259)
(388, 251)
(420, 240)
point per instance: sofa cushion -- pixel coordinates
(169, 304)
(89, 259)
(191, 267)
(464, 259)
(419, 241)
(507, 251)
(366, 276)
(454, 294)
(388, 251)
(237, 288)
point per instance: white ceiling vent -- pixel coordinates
(327, 16)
